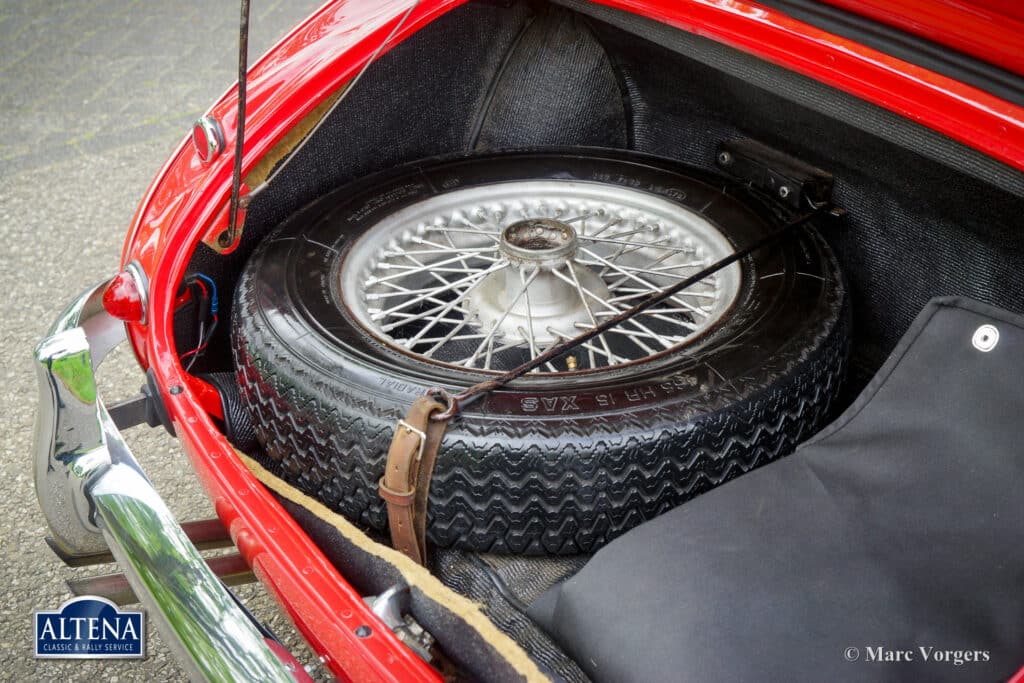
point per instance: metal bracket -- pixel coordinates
(147, 407)
(232, 569)
(392, 606)
(205, 534)
(785, 179)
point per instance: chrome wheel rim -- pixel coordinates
(488, 277)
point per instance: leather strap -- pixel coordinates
(405, 486)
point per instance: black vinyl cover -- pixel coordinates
(897, 532)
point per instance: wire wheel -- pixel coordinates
(488, 277)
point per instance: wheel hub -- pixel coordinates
(529, 301)
(538, 242)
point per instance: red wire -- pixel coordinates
(203, 345)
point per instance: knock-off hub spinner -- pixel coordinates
(545, 295)
(538, 241)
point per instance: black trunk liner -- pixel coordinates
(899, 527)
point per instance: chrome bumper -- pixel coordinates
(95, 496)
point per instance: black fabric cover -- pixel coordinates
(900, 526)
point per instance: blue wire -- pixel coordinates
(214, 301)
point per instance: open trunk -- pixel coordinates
(926, 217)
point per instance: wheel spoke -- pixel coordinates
(645, 271)
(488, 342)
(612, 359)
(534, 352)
(625, 249)
(653, 288)
(493, 234)
(586, 305)
(657, 315)
(494, 352)
(620, 235)
(416, 239)
(610, 224)
(582, 217)
(441, 341)
(641, 245)
(529, 314)
(475, 252)
(490, 349)
(636, 293)
(660, 338)
(454, 302)
(422, 294)
(432, 299)
(691, 264)
(431, 269)
(447, 338)
(632, 321)
(413, 270)
(417, 262)
(405, 319)
(664, 257)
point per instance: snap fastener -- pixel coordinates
(985, 338)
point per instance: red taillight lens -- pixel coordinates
(124, 300)
(207, 138)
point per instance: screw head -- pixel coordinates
(364, 631)
(784, 191)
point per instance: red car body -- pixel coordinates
(187, 203)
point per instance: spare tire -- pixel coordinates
(448, 271)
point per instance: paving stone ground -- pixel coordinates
(94, 95)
